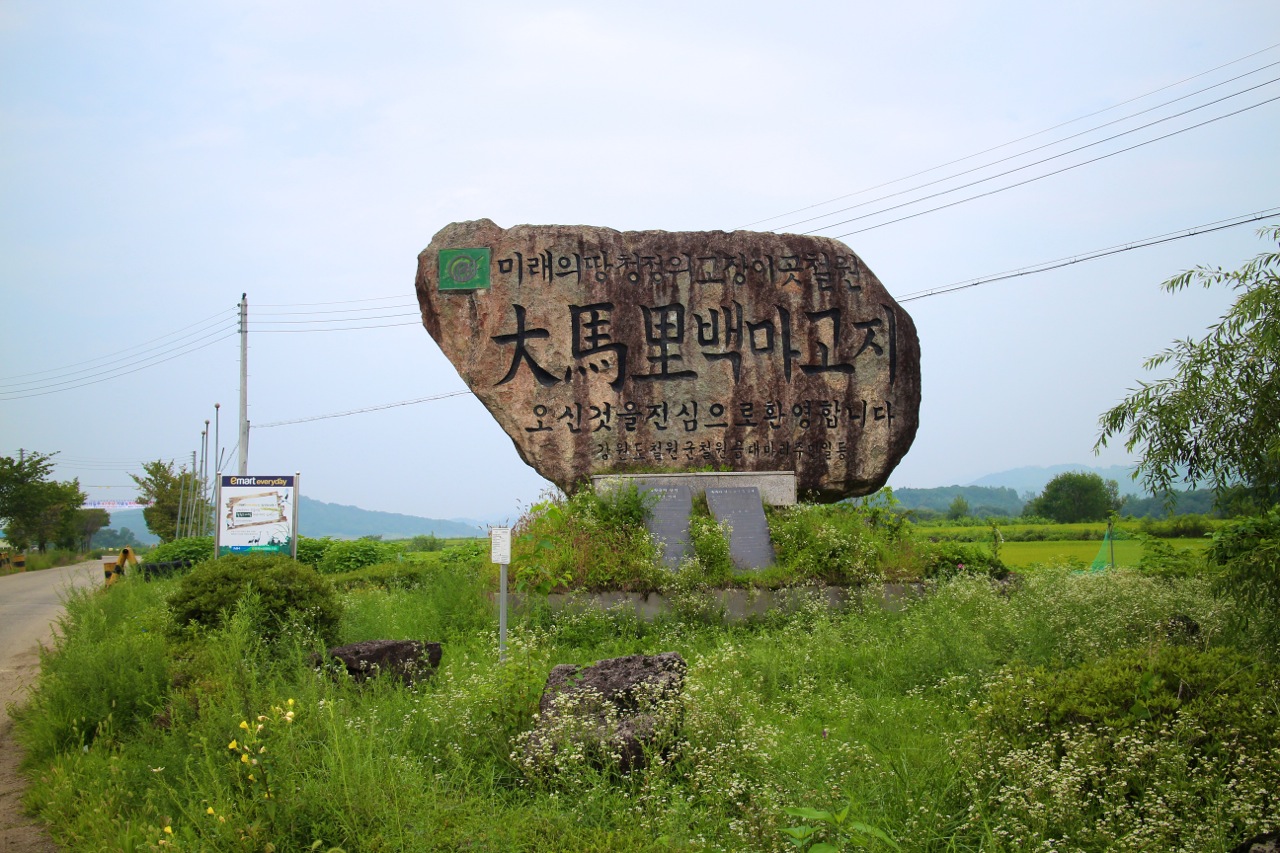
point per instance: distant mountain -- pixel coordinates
(1033, 478)
(983, 500)
(132, 519)
(318, 519)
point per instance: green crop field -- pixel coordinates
(1128, 551)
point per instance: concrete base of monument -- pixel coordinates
(777, 488)
(736, 605)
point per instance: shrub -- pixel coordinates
(1248, 553)
(347, 556)
(312, 551)
(287, 590)
(105, 676)
(940, 560)
(833, 543)
(585, 542)
(196, 549)
(1167, 749)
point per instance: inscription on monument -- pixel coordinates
(602, 351)
(749, 544)
(669, 521)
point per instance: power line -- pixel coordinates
(52, 381)
(6, 397)
(336, 311)
(364, 410)
(119, 352)
(1046, 266)
(1054, 157)
(1014, 141)
(255, 323)
(1030, 180)
(343, 329)
(1037, 148)
(341, 302)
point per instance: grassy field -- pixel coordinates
(1060, 713)
(1127, 551)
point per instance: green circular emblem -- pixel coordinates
(462, 269)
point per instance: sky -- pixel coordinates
(158, 160)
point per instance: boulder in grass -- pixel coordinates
(406, 660)
(1267, 842)
(616, 711)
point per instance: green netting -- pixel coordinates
(1103, 560)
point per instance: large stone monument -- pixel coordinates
(602, 351)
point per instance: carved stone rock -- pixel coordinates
(406, 660)
(616, 707)
(602, 351)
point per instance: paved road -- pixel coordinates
(29, 605)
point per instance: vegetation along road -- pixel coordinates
(30, 602)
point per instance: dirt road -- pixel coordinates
(29, 604)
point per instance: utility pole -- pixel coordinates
(243, 466)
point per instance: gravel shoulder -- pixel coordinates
(30, 604)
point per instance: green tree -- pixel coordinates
(167, 490)
(959, 508)
(87, 523)
(1216, 419)
(1076, 496)
(35, 509)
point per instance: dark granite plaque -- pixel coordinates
(669, 521)
(749, 544)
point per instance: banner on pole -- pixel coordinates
(257, 514)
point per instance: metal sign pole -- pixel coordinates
(500, 553)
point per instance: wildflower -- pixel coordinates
(261, 750)
(209, 810)
(290, 703)
(233, 744)
(156, 769)
(244, 724)
(244, 759)
(168, 830)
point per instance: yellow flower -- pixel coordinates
(233, 744)
(209, 810)
(244, 759)
(244, 725)
(168, 830)
(291, 702)
(251, 779)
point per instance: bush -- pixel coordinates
(347, 556)
(1164, 749)
(312, 551)
(1248, 553)
(196, 549)
(942, 560)
(287, 591)
(833, 544)
(585, 542)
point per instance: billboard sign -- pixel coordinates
(257, 514)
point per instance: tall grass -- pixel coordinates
(242, 745)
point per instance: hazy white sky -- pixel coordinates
(159, 159)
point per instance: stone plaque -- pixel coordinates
(602, 351)
(749, 544)
(669, 521)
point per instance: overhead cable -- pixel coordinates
(1024, 153)
(1046, 266)
(1030, 180)
(113, 375)
(364, 410)
(1014, 141)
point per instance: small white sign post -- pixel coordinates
(500, 553)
